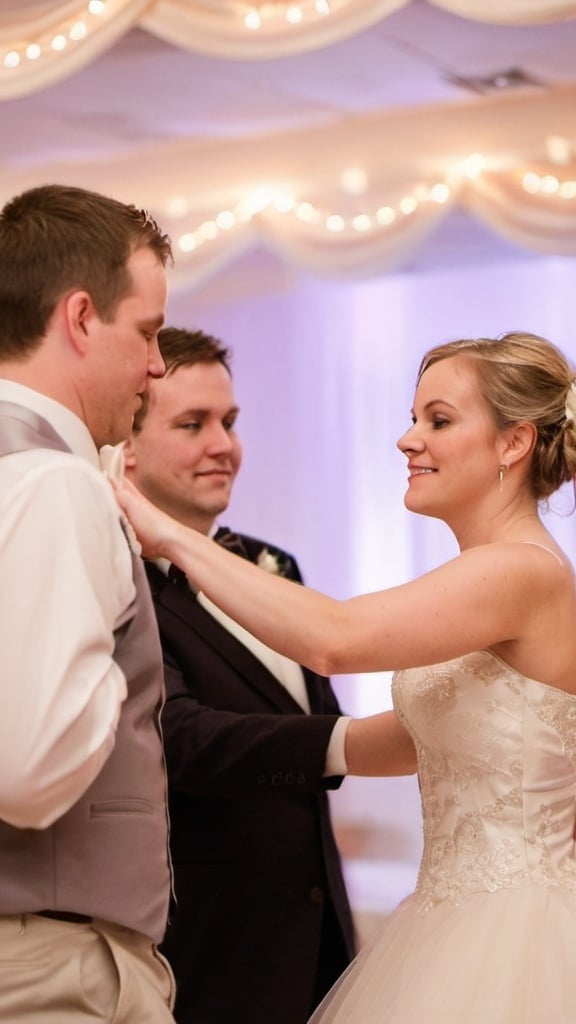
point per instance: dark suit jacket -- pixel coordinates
(257, 872)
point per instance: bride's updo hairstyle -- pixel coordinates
(525, 378)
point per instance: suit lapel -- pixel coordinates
(314, 687)
(177, 598)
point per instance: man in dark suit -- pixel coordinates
(261, 926)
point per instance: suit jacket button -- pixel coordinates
(316, 894)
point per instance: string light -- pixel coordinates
(531, 183)
(252, 20)
(187, 242)
(335, 222)
(207, 231)
(567, 189)
(225, 220)
(78, 31)
(284, 203)
(294, 15)
(278, 15)
(385, 215)
(307, 213)
(548, 184)
(72, 30)
(408, 204)
(474, 165)
(362, 221)
(11, 59)
(440, 193)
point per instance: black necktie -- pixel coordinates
(175, 575)
(223, 536)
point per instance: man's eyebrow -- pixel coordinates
(199, 411)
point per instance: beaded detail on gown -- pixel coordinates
(490, 932)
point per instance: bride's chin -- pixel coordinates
(414, 503)
(410, 499)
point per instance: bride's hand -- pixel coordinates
(153, 528)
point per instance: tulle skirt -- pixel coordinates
(507, 957)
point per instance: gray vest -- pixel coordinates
(108, 856)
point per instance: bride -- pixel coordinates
(484, 653)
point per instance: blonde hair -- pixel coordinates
(524, 378)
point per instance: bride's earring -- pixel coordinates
(502, 470)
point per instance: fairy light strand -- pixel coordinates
(308, 214)
(362, 222)
(283, 15)
(548, 185)
(75, 29)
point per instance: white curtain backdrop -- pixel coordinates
(324, 375)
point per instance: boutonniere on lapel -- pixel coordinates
(277, 564)
(112, 465)
(269, 562)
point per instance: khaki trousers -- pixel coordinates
(59, 972)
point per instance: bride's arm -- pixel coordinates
(379, 745)
(486, 595)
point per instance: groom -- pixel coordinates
(261, 926)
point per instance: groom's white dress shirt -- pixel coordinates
(67, 584)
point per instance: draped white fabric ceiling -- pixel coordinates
(342, 195)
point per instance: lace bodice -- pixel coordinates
(497, 768)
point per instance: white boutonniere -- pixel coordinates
(269, 562)
(112, 465)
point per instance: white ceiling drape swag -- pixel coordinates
(42, 25)
(220, 31)
(510, 12)
(546, 224)
(217, 198)
(542, 223)
(216, 27)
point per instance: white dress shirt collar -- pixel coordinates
(70, 428)
(287, 672)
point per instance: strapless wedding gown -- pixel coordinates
(489, 935)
